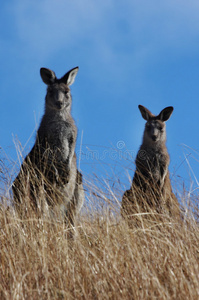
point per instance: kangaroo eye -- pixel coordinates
(66, 93)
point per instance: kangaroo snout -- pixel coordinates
(154, 137)
(61, 101)
(59, 104)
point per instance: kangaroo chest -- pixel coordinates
(58, 133)
(153, 165)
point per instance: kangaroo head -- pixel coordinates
(58, 95)
(155, 127)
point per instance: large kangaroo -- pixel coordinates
(151, 186)
(49, 171)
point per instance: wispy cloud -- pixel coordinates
(47, 26)
(118, 36)
(111, 28)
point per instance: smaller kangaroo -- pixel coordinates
(151, 186)
(49, 171)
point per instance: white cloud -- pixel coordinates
(169, 23)
(47, 26)
(107, 32)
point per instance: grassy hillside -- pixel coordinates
(106, 259)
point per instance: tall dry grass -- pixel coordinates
(105, 260)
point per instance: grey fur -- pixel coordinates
(51, 164)
(151, 186)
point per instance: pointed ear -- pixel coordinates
(146, 114)
(47, 76)
(69, 77)
(165, 114)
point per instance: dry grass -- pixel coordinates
(106, 260)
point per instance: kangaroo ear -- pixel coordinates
(165, 113)
(69, 77)
(47, 76)
(146, 114)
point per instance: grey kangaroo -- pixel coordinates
(151, 186)
(49, 171)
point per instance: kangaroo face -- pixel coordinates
(155, 131)
(155, 128)
(58, 96)
(58, 93)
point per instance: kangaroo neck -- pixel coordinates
(158, 146)
(63, 114)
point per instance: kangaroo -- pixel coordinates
(151, 186)
(49, 171)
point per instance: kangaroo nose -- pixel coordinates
(154, 137)
(59, 104)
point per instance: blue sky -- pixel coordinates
(129, 53)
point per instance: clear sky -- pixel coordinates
(129, 52)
